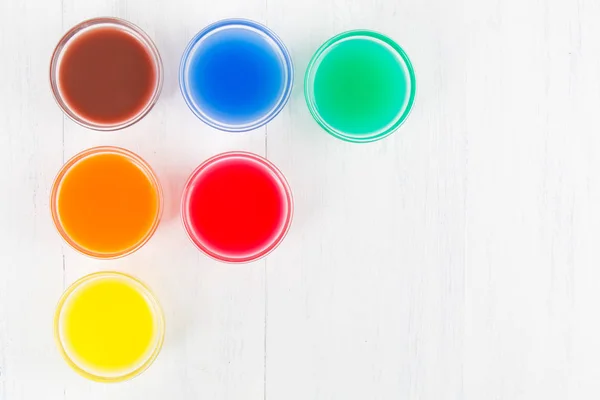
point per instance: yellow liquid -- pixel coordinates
(108, 326)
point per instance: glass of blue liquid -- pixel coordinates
(236, 75)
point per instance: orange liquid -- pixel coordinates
(107, 204)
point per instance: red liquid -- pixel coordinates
(237, 208)
(106, 75)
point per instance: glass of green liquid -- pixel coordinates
(360, 86)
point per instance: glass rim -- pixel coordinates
(275, 173)
(132, 157)
(229, 23)
(157, 313)
(95, 23)
(315, 62)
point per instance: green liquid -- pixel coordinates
(362, 88)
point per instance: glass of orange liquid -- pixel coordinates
(109, 327)
(106, 202)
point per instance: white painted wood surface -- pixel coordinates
(457, 259)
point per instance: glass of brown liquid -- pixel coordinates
(106, 74)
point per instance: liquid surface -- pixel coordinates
(106, 75)
(106, 203)
(360, 87)
(236, 208)
(108, 326)
(236, 76)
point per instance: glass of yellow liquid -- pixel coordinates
(109, 327)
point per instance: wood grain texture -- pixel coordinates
(456, 259)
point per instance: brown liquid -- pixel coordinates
(107, 76)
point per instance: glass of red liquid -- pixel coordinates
(237, 207)
(106, 74)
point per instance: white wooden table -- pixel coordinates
(457, 259)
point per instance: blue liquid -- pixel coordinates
(236, 76)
